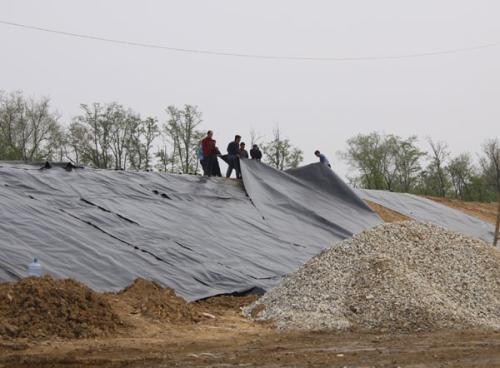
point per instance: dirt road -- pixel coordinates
(254, 347)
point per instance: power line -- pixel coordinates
(252, 56)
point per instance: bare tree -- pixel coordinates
(124, 124)
(150, 131)
(77, 143)
(182, 130)
(29, 130)
(407, 162)
(12, 118)
(141, 143)
(490, 163)
(255, 137)
(461, 172)
(280, 154)
(96, 129)
(42, 123)
(436, 169)
(56, 144)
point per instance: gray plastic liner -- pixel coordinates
(308, 206)
(201, 236)
(426, 210)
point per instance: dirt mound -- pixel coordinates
(219, 305)
(45, 307)
(404, 276)
(158, 303)
(386, 214)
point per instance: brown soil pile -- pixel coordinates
(158, 303)
(45, 307)
(219, 305)
(386, 214)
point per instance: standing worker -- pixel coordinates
(208, 157)
(243, 151)
(255, 153)
(233, 153)
(322, 158)
(215, 171)
(199, 155)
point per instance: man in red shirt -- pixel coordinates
(207, 145)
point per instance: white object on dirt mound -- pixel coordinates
(35, 268)
(405, 276)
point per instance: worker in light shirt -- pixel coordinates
(322, 158)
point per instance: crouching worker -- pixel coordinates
(322, 158)
(255, 153)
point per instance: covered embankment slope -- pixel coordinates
(200, 236)
(412, 206)
(426, 210)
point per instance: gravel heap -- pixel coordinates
(404, 276)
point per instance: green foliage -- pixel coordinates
(384, 161)
(182, 131)
(29, 130)
(490, 164)
(461, 172)
(108, 136)
(280, 153)
(141, 143)
(389, 162)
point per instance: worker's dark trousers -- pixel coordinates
(204, 166)
(210, 163)
(233, 163)
(215, 169)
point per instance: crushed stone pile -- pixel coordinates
(158, 303)
(404, 276)
(45, 307)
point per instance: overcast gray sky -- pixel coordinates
(318, 104)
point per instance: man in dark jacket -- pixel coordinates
(233, 153)
(255, 153)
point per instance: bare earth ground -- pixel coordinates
(484, 211)
(230, 340)
(386, 214)
(222, 338)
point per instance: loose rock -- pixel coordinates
(404, 276)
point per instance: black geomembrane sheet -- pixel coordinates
(201, 236)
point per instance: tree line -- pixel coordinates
(111, 136)
(390, 162)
